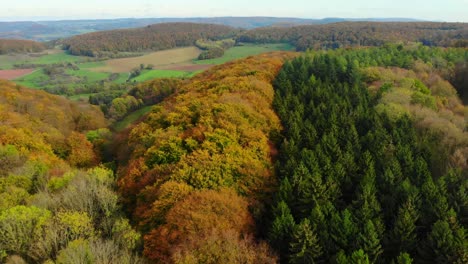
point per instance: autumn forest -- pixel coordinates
(351, 149)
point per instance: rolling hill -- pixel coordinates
(347, 34)
(51, 30)
(150, 38)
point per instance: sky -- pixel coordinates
(436, 10)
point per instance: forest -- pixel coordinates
(320, 36)
(346, 34)
(20, 46)
(150, 38)
(363, 176)
(339, 154)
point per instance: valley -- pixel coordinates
(194, 143)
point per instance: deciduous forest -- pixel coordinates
(20, 46)
(153, 37)
(346, 34)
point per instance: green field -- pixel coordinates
(246, 50)
(131, 118)
(54, 56)
(33, 80)
(60, 57)
(88, 76)
(153, 74)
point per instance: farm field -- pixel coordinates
(158, 59)
(245, 50)
(85, 76)
(34, 80)
(153, 74)
(13, 74)
(47, 57)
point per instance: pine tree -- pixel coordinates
(343, 230)
(304, 246)
(369, 241)
(282, 228)
(404, 258)
(359, 257)
(403, 236)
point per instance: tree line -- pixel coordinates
(20, 46)
(151, 38)
(347, 34)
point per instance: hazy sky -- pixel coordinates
(444, 10)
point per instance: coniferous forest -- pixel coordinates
(358, 182)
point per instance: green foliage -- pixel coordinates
(154, 74)
(124, 235)
(355, 161)
(359, 257)
(168, 152)
(304, 246)
(75, 225)
(404, 258)
(21, 227)
(424, 100)
(369, 241)
(58, 183)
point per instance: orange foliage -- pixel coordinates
(199, 214)
(81, 151)
(38, 124)
(20, 46)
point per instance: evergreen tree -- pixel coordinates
(369, 242)
(359, 257)
(282, 228)
(403, 236)
(404, 258)
(304, 247)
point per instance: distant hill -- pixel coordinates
(18, 46)
(334, 35)
(50, 30)
(347, 34)
(149, 38)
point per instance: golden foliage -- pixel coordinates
(212, 134)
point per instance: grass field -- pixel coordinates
(33, 80)
(87, 75)
(246, 50)
(46, 57)
(158, 59)
(131, 118)
(153, 74)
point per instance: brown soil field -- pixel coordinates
(13, 74)
(159, 59)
